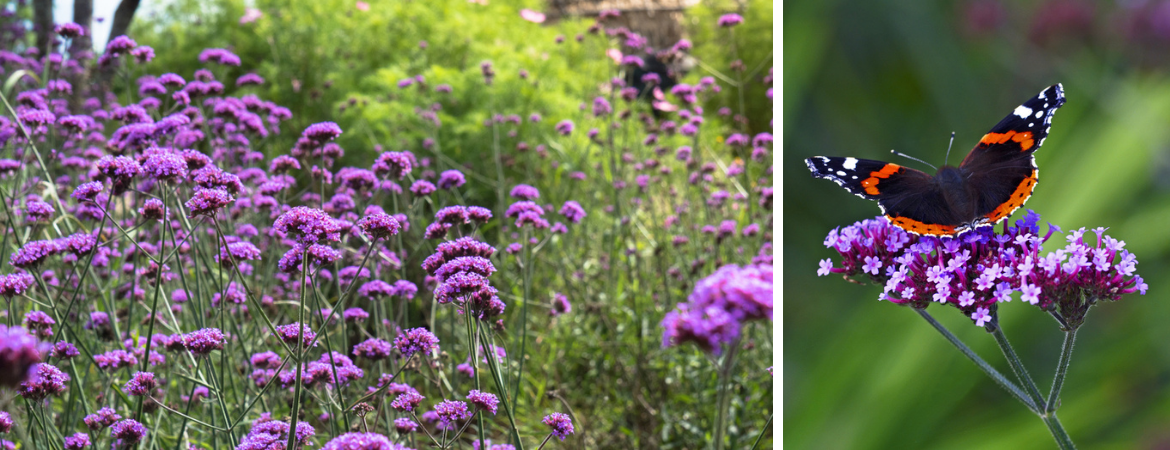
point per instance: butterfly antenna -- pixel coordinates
(911, 157)
(945, 161)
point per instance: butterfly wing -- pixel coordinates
(1001, 170)
(910, 199)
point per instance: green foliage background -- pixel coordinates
(861, 77)
(347, 64)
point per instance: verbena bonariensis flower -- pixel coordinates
(479, 214)
(407, 401)
(219, 55)
(39, 323)
(70, 30)
(565, 127)
(393, 165)
(404, 425)
(202, 342)
(77, 442)
(206, 202)
(976, 271)
(322, 132)
(560, 305)
(464, 246)
(472, 264)
(5, 422)
(379, 226)
(715, 311)
(64, 350)
(458, 287)
(289, 334)
(525, 192)
(559, 424)
(573, 211)
(361, 441)
(450, 411)
(373, 349)
(43, 380)
(103, 418)
(308, 225)
(451, 179)
(18, 353)
(140, 384)
(268, 434)
(376, 288)
(128, 433)
(484, 400)
(14, 284)
(33, 254)
(115, 359)
(237, 251)
(415, 340)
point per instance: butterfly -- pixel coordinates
(994, 180)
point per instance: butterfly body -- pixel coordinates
(994, 180)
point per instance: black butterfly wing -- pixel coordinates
(910, 199)
(1001, 170)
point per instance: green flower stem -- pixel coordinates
(1018, 368)
(763, 431)
(1062, 439)
(983, 365)
(1061, 370)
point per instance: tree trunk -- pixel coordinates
(83, 15)
(43, 24)
(122, 17)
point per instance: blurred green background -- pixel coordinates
(862, 77)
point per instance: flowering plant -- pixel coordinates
(978, 271)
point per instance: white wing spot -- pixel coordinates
(1023, 111)
(1045, 105)
(1039, 113)
(1030, 124)
(855, 177)
(849, 164)
(840, 173)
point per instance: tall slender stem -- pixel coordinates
(1070, 336)
(999, 379)
(1018, 367)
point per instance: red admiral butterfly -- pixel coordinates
(994, 180)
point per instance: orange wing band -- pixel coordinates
(1023, 191)
(920, 228)
(1024, 139)
(870, 184)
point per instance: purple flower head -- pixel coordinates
(451, 179)
(120, 45)
(202, 342)
(102, 419)
(70, 30)
(713, 313)
(14, 284)
(249, 79)
(422, 188)
(43, 380)
(220, 56)
(308, 225)
(128, 433)
(407, 401)
(379, 226)
(77, 442)
(404, 425)
(87, 191)
(560, 425)
(33, 254)
(322, 132)
(290, 333)
(573, 211)
(730, 20)
(415, 340)
(361, 441)
(19, 352)
(39, 323)
(459, 286)
(565, 127)
(373, 349)
(206, 202)
(451, 411)
(165, 165)
(38, 211)
(64, 350)
(560, 305)
(453, 215)
(525, 192)
(484, 400)
(140, 384)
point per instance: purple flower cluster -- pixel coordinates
(292, 333)
(415, 340)
(717, 307)
(268, 434)
(308, 225)
(559, 424)
(43, 380)
(19, 351)
(373, 349)
(361, 441)
(128, 433)
(202, 342)
(982, 268)
(140, 384)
